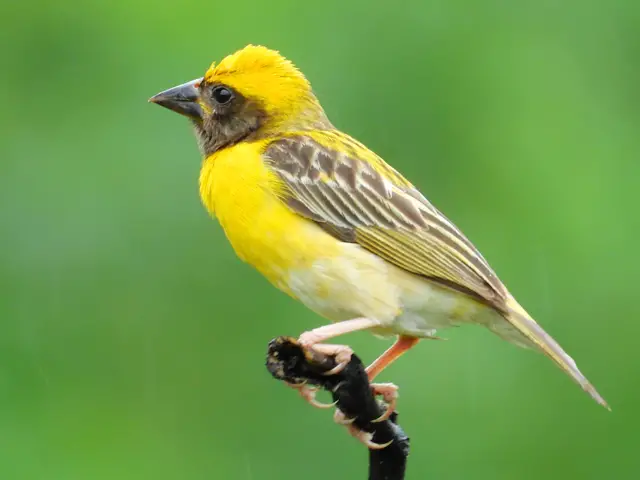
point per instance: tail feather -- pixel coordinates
(524, 324)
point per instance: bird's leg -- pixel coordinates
(389, 391)
(313, 338)
(326, 332)
(342, 353)
(401, 345)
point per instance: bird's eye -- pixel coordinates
(222, 95)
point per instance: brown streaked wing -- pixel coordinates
(355, 196)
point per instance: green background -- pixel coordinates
(132, 341)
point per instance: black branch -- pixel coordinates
(288, 361)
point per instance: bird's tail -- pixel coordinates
(536, 337)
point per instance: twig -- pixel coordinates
(288, 361)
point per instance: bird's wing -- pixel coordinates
(349, 191)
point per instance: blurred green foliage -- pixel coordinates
(132, 340)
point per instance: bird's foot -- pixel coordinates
(309, 394)
(341, 353)
(389, 393)
(364, 437)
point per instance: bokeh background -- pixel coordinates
(132, 340)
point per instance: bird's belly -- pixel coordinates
(337, 280)
(356, 283)
(348, 284)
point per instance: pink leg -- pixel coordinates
(390, 355)
(388, 390)
(327, 332)
(315, 337)
(342, 353)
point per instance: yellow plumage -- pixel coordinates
(241, 192)
(328, 221)
(337, 280)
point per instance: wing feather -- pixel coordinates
(353, 194)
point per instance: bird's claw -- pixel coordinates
(361, 435)
(342, 357)
(367, 438)
(341, 353)
(341, 419)
(309, 394)
(389, 393)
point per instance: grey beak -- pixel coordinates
(182, 99)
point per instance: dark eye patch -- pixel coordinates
(231, 117)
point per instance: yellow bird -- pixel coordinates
(327, 221)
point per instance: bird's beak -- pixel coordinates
(182, 99)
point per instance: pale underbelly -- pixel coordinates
(360, 284)
(341, 281)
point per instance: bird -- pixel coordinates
(330, 223)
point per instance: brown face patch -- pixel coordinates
(227, 123)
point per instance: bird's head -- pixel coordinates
(252, 93)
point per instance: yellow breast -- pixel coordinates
(238, 189)
(337, 280)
